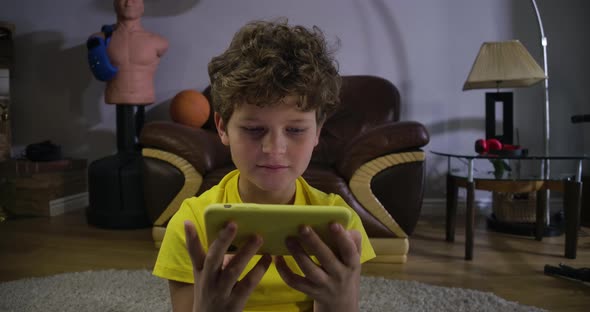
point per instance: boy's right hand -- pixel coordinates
(216, 285)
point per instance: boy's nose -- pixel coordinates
(274, 143)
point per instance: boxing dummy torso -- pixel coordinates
(136, 54)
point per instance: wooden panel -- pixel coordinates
(509, 186)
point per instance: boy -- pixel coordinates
(272, 90)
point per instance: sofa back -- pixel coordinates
(366, 102)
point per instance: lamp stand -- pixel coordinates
(506, 98)
(546, 135)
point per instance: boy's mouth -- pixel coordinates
(273, 167)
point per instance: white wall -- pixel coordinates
(425, 47)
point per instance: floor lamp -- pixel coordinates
(546, 134)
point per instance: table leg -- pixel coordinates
(572, 200)
(469, 221)
(541, 214)
(451, 215)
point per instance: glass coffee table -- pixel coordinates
(535, 178)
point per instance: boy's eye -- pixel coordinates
(257, 131)
(253, 129)
(295, 130)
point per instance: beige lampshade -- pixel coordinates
(505, 64)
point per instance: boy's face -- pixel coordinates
(271, 146)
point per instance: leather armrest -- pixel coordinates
(202, 148)
(379, 141)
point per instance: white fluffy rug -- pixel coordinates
(138, 290)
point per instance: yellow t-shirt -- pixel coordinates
(271, 294)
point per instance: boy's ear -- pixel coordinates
(318, 131)
(221, 128)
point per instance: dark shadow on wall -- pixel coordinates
(367, 36)
(436, 175)
(400, 56)
(55, 97)
(567, 51)
(154, 7)
(158, 111)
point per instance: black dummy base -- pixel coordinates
(115, 183)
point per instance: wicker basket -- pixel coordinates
(515, 207)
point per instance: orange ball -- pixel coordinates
(190, 107)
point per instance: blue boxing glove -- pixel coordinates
(98, 59)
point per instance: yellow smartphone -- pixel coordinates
(273, 222)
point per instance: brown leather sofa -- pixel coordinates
(365, 154)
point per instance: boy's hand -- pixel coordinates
(216, 284)
(334, 284)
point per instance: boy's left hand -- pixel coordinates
(334, 283)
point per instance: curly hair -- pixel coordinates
(267, 61)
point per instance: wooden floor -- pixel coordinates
(510, 266)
